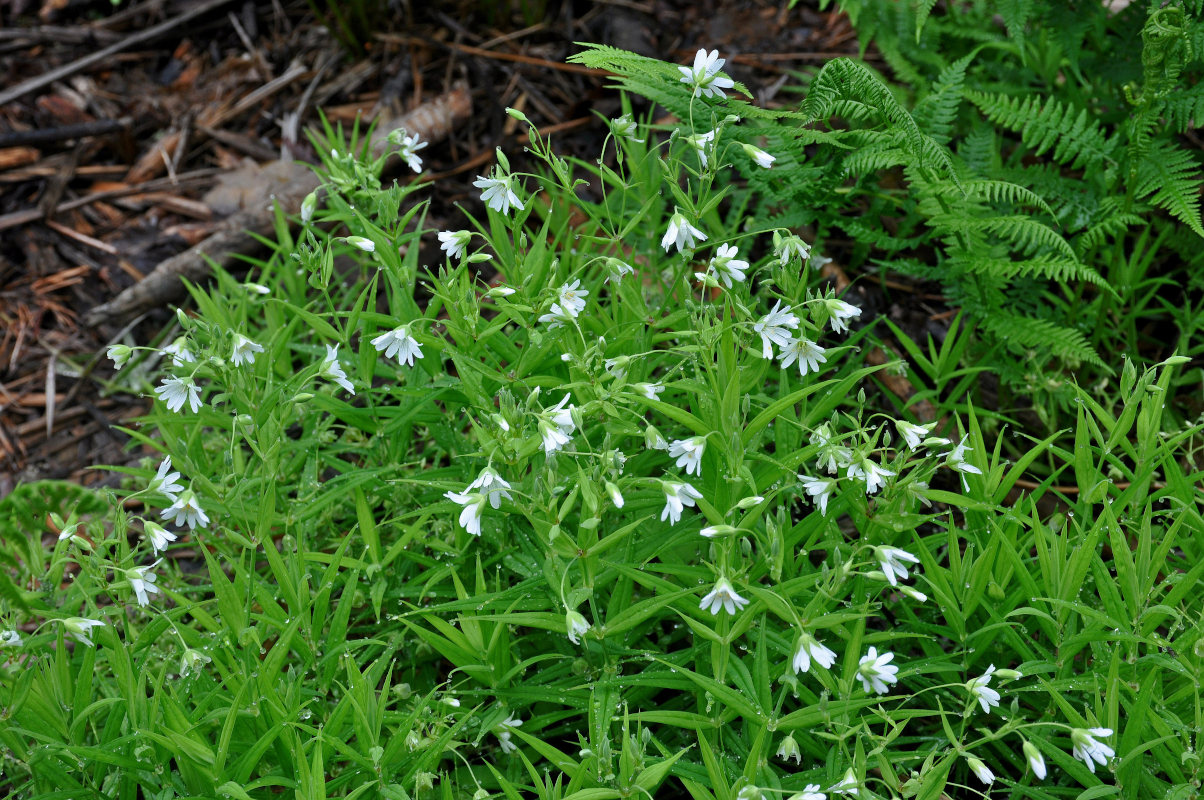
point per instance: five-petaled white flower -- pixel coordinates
(788, 247)
(492, 485)
(913, 434)
(957, 460)
(332, 370)
(820, 490)
(891, 560)
(399, 342)
(81, 628)
(175, 392)
(575, 625)
(808, 354)
(1090, 750)
(874, 475)
(142, 581)
(649, 390)
(726, 266)
(701, 142)
(810, 792)
(10, 639)
(179, 352)
(831, 453)
(1036, 761)
(808, 649)
(186, 510)
(980, 770)
(408, 147)
(688, 453)
(616, 270)
(244, 350)
(723, 596)
(846, 785)
(773, 328)
(572, 298)
(625, 127)
(762, 159)
(498, 192)
(164, 481)
(987, 697)
(159, 537)
(470, 515)
(120, 353)
(556, 425)
(875, 671)
(677, 497)
(839, 312)
(704, 76)
(789, 749)
(455, 243)
(556, 317)
(681, 233)
(503, 733)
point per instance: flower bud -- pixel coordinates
(308, 205)
(750, 502)
(575, 626)
(367, 245)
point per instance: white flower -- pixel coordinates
(492, 486)
(193, 661)
(367, 245)
(809, 649)
(653, 439)
(454, 242)
(681, 233)
(575, 625)
(407, 148)
(789, 749)
(846, 785)
(649, 390)
(701, 142)
(913, 435)
(773, 329)
(556, 317)
(498, 192)
(788, 247)
(470, 515)
(840, 312)
(164, 481)
(726, 266)
(332, 370)
(1088, 749)
(10, 639)
(503, 733)
(142, 581)
(688, 453)
(978, 687)
(186, 510)
(677, 497)
(399, 342)
(980, 770)
(1035, 760)
(762, 159)
(704, 76)
(175, 392)
(873, 475)
(820, 490)
(244, 350)
(891, 559)
(835, 455)
(808, 354)
(81, 628)
(617, 270)
(810, 792)
(120, 353)
(572, 298)
(723, 596)
(159, 537)
(957, 460)
(555, 425)
(875, 671)
(179, 352)
(625, 127)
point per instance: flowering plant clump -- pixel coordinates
(633, 515)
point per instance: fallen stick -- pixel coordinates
(287, 183)
(153, 32)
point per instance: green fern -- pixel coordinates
(1172, 176)
(1077, 139)
(1043, 336)
(1048, 267)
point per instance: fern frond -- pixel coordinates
(1185, 109)
(998, 193)
(1025, 234)
(1078, 140)
(1063, 270)
(1016, 15)
(1172, 175)
(1041, 335)
(936, 112)
(1110, 225)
